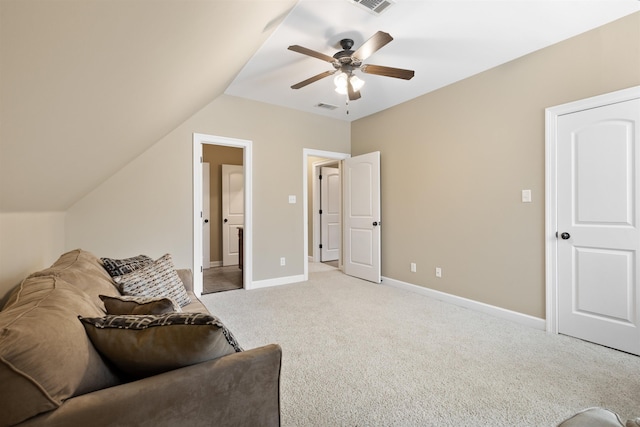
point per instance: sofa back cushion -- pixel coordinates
(45, 353)
(83, 270)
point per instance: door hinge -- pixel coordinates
(200, 214)
(320, 246)
(201, 270)
(320, 177)
(320, 212)
(201, 159)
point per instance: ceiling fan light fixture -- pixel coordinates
(341, 83)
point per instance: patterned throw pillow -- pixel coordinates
(157, 279)
(148, 345)
(118, 267)
(139, 305)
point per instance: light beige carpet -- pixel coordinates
(360, 354)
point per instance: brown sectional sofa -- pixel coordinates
(52, 375)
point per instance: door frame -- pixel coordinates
(332, 157)
(198, 140)
(551, 196)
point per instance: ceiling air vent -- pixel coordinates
(374, 6)
(326, 106)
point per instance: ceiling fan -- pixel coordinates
(347, 61)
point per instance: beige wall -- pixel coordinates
(29, 241)
(217, 156)
(147, 206)
(455, 161)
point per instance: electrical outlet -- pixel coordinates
(438, 272)
(413, 267)
(283, 261)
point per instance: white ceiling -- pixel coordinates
(443, 41)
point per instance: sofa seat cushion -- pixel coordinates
(45, 354)
(83, 270)
(148, 345)
(158, 279)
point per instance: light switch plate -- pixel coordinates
(526, 196)
(292, 199)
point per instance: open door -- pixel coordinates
(361, 189)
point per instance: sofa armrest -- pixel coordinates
(240, 389)
(186, 275)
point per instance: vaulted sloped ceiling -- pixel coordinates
(87, 85)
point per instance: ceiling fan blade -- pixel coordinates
(351, 92)
(380, 70)
(309, 52)
(312, 79)
(376, 41)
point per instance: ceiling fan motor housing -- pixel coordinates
(345, 61)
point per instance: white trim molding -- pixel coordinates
(551, 166)
(277, 281)
(502, 313)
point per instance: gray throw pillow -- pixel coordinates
(118, 267)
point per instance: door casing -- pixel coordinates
(551, 195)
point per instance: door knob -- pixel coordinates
(225, 220)
(375, 223)
(206, 221)
(565, 236)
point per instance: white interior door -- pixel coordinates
(232, 211)
(206, 224)
(330, 225)
(361, 182)
(598, 181)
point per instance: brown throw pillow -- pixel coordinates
(148, 345)
(139, 305)
(158, 279)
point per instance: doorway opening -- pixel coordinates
(326, 209)
(241, 149)
(312, 162)
(223, 216)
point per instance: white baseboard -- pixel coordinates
(514, 316)
(256, 284)
(213, 264)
